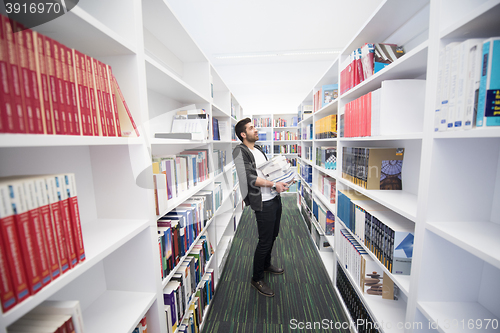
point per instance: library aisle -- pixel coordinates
(304, 293)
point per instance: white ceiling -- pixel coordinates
(275, 84)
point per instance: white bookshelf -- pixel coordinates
(119, 282)
(451, 180)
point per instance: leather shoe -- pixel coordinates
(274, 270)
(262, 288)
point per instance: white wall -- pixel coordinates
(272, 87)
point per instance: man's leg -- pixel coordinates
(266, 228)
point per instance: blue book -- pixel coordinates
(329, 93)
(489, 88)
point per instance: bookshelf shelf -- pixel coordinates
(403, 281)
(117, 311)
(165, 82)
(410, 66)
(456, 225)
(119, 282)
(403, 136)
(454, 317)
(491, 132)
(393, 311)
(33, 140)
(478, 238)
(97, 41)
(403, 203)
(480, 19)
(328, 109)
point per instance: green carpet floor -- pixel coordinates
(303, 294)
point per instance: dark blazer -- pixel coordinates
(247, 175)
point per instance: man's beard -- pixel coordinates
(252, 138)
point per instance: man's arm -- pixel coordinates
(280, 186)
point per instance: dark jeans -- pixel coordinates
(268, 224)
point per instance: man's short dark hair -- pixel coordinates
(240, 127)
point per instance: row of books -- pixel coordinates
(51, 317)
(388, 235)
(373, 168)
(266, 148)
(326, 157)
(263, 136)
(142, 327)
(233, 133)
(304, 111)
(324, 96)
(305, 171)
(308, 155)
(174, 174)
(41, 234)
(307, 132)
(306, 213)
(179, 228)
(363, 269)
(285, 135)
(280, 122)
(236, 197)
(326, 127)
(285, 149)
(235, 175)
(354, 304)
(220, 161)
(319, 238)
(220, 129)
(379, 111)
(49, 88)
(327, 186)
(363, 62)
(467, 93)
(185, 306)
(325, 217)
(262, 122)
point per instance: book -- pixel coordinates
(64, 207)
(19, 121)
(100, 108)
(82, 92)
(488, 109)
(373, 168)
(70, 82)
(128, 126)
(329, 93)
(72, 201)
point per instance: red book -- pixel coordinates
(72, 94)
(10, 244)
(31, 104)
(26, 238)
(82, 92)
(70, 185)
(92, 96)
(128, 127)
(66, 99)
(61, 88)
(7, 292)
(108, 105)
(62, 195)
(18, 110)
(47, 227)
(100, 108)
(369, 114)
(36, 230)
(33, 81)
(57, 224)
(43, 83)
(55, 85)
(7, 118)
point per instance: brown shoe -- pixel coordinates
(274, 270)
(262, 288)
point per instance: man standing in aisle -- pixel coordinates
(263, 196)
